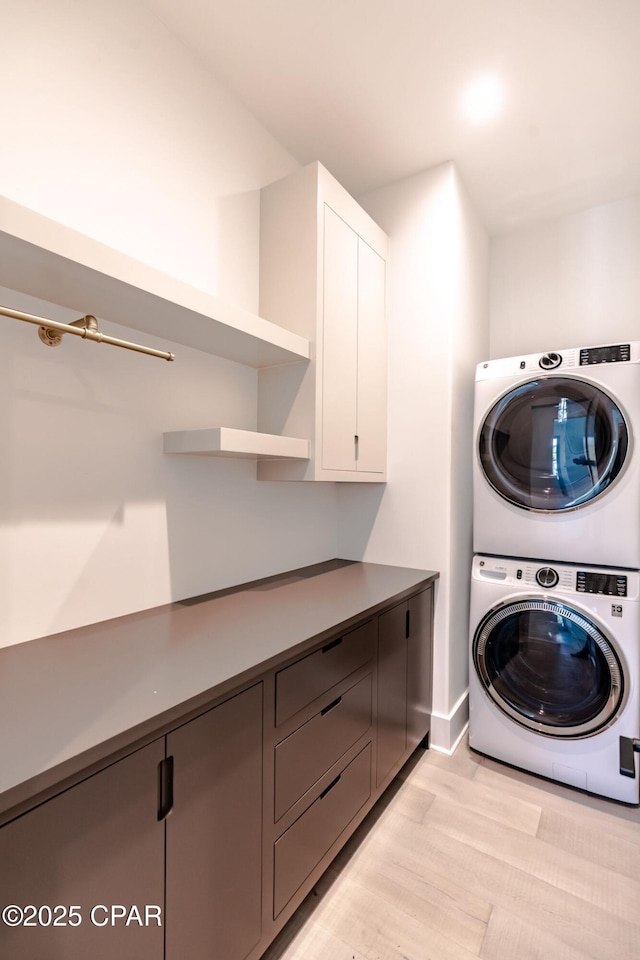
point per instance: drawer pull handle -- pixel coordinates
(330, 706)
(330, 646)
(165, 788)
(330, 787)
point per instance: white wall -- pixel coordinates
(438, 332)
(569, 282)
(469, 345)
(112, 127)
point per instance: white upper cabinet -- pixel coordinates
(323, 276)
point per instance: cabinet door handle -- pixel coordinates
(165, 788)
(330, 646)
(407, 624)
(356, 441)
(330, 706)
(330, 787)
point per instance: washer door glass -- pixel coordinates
(549, 668)
(553, 444)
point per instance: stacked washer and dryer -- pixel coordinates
(554, 684)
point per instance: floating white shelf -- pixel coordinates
(228, 442)
(48, 260)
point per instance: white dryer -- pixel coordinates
(555, 671)
(557, 462)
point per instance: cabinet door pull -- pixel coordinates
(330, 787)
(165, 788)
(357, 445)
(330, 706)
(407, 624)
(330, 646)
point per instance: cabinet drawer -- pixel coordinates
(308, 753)
(305, 843)
(310, 677)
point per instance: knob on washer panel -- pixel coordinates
(547, 577)
(549, 361)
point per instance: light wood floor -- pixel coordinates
(465, 858)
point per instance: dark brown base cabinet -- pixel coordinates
(419, 631)
(67, 864)
(404, 680)
(102, 844)
(214, 833)
(203, 842)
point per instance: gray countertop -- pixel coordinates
(71, 700)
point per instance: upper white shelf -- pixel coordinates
(48, 260)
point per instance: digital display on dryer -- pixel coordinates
(613, 354)
(609, 584)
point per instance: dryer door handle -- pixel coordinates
(627, 748)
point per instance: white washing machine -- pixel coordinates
(557, 461)
(555, 671)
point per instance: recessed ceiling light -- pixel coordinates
(483, 99)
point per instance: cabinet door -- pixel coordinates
(371, 427)
(419, 666)
(392, 689)
(323, 274)
(214, 833)
(93, 852)
(339, 344)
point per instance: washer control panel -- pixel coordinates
(568, 360)
(616, 353)
(608, 584)
(541, 576)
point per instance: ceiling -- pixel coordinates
(372, 89)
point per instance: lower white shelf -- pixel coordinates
(228, 442)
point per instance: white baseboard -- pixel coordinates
(447, 731)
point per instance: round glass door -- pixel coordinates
(549, 668)
(553, 444)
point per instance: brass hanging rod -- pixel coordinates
(51, 332)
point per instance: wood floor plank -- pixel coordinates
(599, 886)
(412, 801)
(510, 938)
(484, 799)
(311, 942)
(382, 930)
(609, 816)
(435, 854)
(445, 908)
(588, 841)
(463, 763)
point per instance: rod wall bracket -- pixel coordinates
(53, 338)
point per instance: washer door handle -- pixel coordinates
(627, 748)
